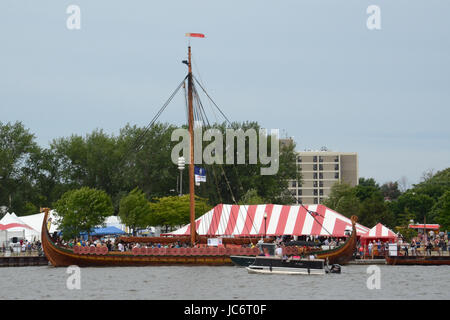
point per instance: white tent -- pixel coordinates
(35, 221)
(12, 224)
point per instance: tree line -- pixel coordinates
(427, 201)
(32, 176)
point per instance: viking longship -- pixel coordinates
(193, 254)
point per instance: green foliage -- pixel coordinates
(441, 211)
(16, 147)
(416, 203)
(135, 209)
(391, 190)
(227, 183)
(251, 197)
(175, 210)
(428, 200)
(81, 210)
(343, 199)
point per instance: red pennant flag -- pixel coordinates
(198, 35)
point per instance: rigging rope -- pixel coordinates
(137, 143)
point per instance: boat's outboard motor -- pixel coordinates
(335, 268)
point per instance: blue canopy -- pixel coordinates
(104, 231)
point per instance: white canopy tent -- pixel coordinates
(14, 226)
(35, 221)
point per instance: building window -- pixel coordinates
(300, 192)
(320, 159)
(315, 200)
(294, 184)
(315, 158)
(299, 159)
(336, 159)
(336, 175)
(315, 175)
(299, 200)
(314, 166)
(315, 184)
(321, 175)
(315, 192)
(320, 183)
(321, 192)
(320, 166)
(336, 167)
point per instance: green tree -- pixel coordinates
(390, 190)
(417, 203)
(134, 210)
(16, 147)
(441, 211)
(342, 199)
(251, 197)
(173, 211)
(366, 188)
(228, 183)
(81, 210)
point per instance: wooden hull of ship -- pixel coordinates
(63, 257)
(418, 260)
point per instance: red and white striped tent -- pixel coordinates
(379, 232)
(248, 220)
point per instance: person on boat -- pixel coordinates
(429, 247)
(279, 251)
(413, 247)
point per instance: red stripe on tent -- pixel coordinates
(214, 224)
(249, 221)
(318, 220)
(282, 220)
(265, 225)
(14, 225)
(378, 229)
(301, 215)
(339, 227)
(232, 219)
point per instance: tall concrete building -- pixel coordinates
(320, 170)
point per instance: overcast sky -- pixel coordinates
(311, 69)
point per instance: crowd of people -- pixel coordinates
(115, 244)
(419, 245)
(22, 247)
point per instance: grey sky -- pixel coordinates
(309, 68)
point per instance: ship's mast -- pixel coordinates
(191, 163)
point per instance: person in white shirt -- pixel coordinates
(279, 252)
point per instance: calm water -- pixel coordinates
(206, 283)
